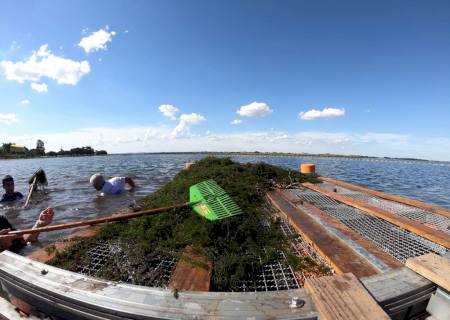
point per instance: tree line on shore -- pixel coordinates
(12, 150)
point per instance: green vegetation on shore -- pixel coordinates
(13, 151)
(233, 245)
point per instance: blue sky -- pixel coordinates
(377, 75)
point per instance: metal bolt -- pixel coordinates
(44, 272)
(296, 302)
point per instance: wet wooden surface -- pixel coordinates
(338, 254)
(411, 202)
(429, 233)
(47, 253)
(433, 267)
(188, 275)
(342, 297)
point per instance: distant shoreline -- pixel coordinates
(280, 154)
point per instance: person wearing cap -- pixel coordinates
(114, 185)
(16, 242)
(10, 194)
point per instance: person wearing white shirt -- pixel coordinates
(114, 185)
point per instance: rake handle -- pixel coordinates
(98, 220)
(30, 192)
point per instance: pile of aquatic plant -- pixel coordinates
(232, 245)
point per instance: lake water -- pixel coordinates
(73, 198)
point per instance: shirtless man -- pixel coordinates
(10, 194)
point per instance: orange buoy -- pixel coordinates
(188, 165)
(307, 168)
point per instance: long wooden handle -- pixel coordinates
(115, 217)
(30, 192)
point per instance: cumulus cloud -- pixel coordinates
(186, 121)
(169, 111)
(254, 109)
(160, 139)
(96, 40)
(8, 118)
(39, 87)
(314, 114)
(43, 63)
(25, 101)
(236, 122)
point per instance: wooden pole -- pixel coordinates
(114, 217)
(30, 192)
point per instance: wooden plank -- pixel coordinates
(45, 254)
(190, 273)
(411, 202)
(429, 233)
(433, 267)
(354, 236)
(337, 253)
(342, 297)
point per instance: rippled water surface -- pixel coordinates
(73, 198)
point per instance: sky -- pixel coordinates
(347, 77)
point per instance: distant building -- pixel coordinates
(17, 148)
(40, 146)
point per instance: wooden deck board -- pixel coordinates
(354, 236)
(191, 277)
(429, 233)
(342, 297)
(433, 267)
(338, 254)
(411, 202)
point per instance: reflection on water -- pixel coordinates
(73, 198)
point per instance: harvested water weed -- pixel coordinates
(235, 246)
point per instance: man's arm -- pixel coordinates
(45, 218)
(130, 182)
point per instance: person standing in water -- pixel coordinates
(114, 185)
(10, 194)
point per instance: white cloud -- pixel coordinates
(8, 118)
(25, 101)
(314, 114)
(42, 64)
(96, 40)
(236, 122)
(169, 111)
(255, 109)
(160, 139)
(186, 121)
(39, 87)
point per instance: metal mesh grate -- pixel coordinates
(97, 257)
(396, 241)
(160, 268)
(271, 277)
(423, 216)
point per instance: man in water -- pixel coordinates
(16, 242)
(114, 185)
(10, 194)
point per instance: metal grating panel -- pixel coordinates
(160, 267)
(396, 241)
(271, 277)
(423, 216)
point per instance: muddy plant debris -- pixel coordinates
(231, 244)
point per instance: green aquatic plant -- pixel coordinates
(233, 245)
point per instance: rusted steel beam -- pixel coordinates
(411, 202)
(338, 255)
(429, 233)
